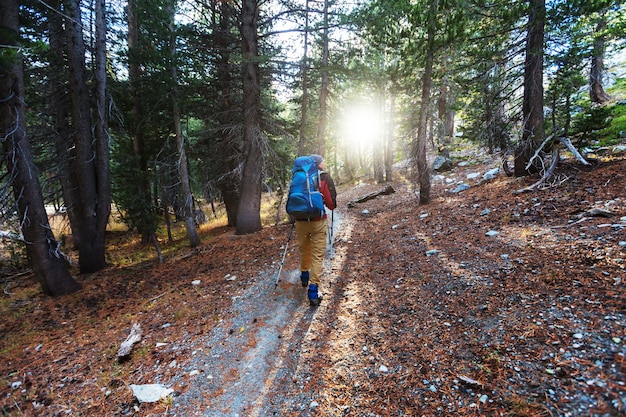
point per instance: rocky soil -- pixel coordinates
(481, 303)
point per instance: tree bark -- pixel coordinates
(305, 95)
(101, 133)
(323, 123)
(532, 106)
(596, 88)
(249, 211)
(229, 144)
(423, 169)
(446, 113)
(136, 131)
(60, 111)
(378, 144)
(43, 250)
(91, 251)
(183, 172)
(389, 138)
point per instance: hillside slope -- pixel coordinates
(480, 303)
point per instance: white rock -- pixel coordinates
(150, 393)
(383, 368)
(195, 282)
(492, 233)
(491, 173)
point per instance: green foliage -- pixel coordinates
(587, 124)
(8, 56)
(618, 89)
(615, 132)
(13, 255)
(131, 201)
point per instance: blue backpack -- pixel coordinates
(304, 201)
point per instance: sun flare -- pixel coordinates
(360, 126)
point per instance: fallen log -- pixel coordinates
(383, 191)
(127, 345)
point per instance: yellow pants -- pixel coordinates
(312, 245)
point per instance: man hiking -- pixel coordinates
(312, 233)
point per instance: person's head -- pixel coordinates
(319, 161)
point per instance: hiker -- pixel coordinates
(311, 235)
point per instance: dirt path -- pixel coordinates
(248, 363)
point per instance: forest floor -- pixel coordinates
(480, 303)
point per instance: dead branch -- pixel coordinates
(133, 337)
(537, 152)
(10, 235)
(546, 175)
(597, 212)
(555, 159)
(568, 143)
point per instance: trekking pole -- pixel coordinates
(284, 254)
(331, 240)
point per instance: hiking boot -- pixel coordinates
(304, 278)
(315, 302)
(314, 298)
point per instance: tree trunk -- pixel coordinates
(305, 95)
(229, 146)
(532, 107)
(389, 139)
(190, 223)
(101, 132)
(323, 124)
(596, 89)
(91, 250)
(423, 169)
(501, 132)
(249, 211)
(378, 144)
(43, 250)
(183, 172)
(60, 110)
(446, 118)
(136, 132)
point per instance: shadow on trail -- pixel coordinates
(246, 365)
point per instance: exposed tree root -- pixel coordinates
(548, 174)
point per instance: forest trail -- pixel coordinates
(248, 362)
(483, 302)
